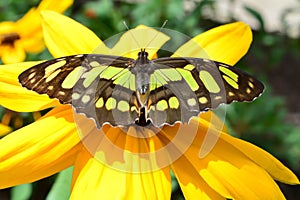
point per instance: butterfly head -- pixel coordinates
(143, 57)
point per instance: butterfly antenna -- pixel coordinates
(137, 43)
(162, 26)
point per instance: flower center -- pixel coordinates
(9, 38)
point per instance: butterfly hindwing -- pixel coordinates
(171, 98)
(108, 103)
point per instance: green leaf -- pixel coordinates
(61, 187)
(175, 184)
(21, 192)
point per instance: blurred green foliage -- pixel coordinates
(262, 122)
(13, 10)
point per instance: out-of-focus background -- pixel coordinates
(271, 122)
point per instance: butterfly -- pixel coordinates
(122, 91)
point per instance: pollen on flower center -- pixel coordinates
(9, 38)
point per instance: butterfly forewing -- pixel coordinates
(57, 77)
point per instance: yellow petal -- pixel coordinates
(33, 44)
(241, 180)
(64, 36)
(17, 98)
(274, 167)
(58, 6)
(4, 130)
(229, 171)
(192, 184)
(122, 149)
(13, 54)
(92, 179)
(30, 24)
(7, 27)
(227, 43)
(192, 162)
(40, 149)
(226, 169)
(132, 41)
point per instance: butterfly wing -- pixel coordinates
(103, 87)
(184, 87)
(99, 86)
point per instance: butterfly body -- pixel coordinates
(122, 91)
(142, 69)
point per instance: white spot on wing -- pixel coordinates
(31, 75)
(191, 102)
(75, 96)
(86, 98)
(203, 100)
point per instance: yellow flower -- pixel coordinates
(25, 35)
(112, 164)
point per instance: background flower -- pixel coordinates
(25, 35)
